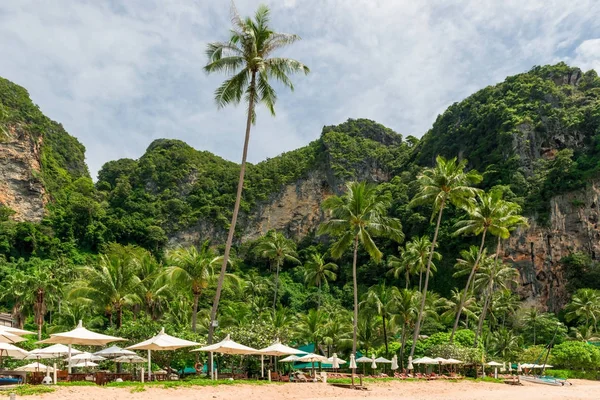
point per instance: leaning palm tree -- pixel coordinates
(192, 269)
(43, 289)
(447, 182)
(406, 311)
(277, 249)
(248, 58)
(490, 214)
(356, 217)
(381, 299)
(317, 272)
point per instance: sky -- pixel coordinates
(119, 74)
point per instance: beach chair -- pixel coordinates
(300, 377)
(275, 376)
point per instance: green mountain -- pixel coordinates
(537, 135)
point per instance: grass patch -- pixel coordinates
(137, 389)
(76, 383)
(187, 383)
(29, 390)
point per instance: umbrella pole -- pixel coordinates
(149, 365)
(262, 366)
(54, 373)
(212, 365)
(69, 369)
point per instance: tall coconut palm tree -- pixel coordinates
(152, 289)
(453, 303)
(417, 252)
(310, 326)
(382, 300)
(336, 333)
(406, 312)
(247, 57)
(447, 182)
(490, 214)
(494, 276)
(43, 289)
(356, 217)
(14, 290)
(109, 286)
(277, 249)
(584, 307)
(317, 272)
(192, 269)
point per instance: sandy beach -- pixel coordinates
(382, 391)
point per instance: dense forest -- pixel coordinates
(107, 251)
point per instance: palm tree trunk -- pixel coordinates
(385, 338)
(420, 278)
(355, 284)
(319, 299)
(120, 317)
(424, 295)
(195, 312)
(464, 295)
(402, 344)
(276, 284)
(486, 304)
(407, 278)
(236, 208)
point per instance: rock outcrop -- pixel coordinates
(21, 188)
(536, 251)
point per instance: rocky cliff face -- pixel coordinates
(21, 188)
(536, 251)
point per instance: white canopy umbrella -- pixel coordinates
(134, 358)
(410, 363)
(276, 349)
(510, 367)
(453, 361)
(441, 360)
(85, 356)
(364, 359)
(291, 358)
(114, 351)
(81, 336)
(54, 351)
(373, 364)
(226, 346)
(495, 365)
(382, 360)
(339, 360)
(10, 350)
(519, 369)
(394, 363)
(35, 367)
(335, 364)
(352, 362)
(425, 360)
(161, 341)
(313, 358)
(7, 337)
(83, 364)
(15, 331)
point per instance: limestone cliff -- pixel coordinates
(21, 188)
(537, 250)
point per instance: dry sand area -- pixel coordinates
(386, 390)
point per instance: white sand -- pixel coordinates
(386, 390)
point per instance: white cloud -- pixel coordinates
(120, 74)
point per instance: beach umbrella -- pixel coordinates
(313, 358)
(10, 350)
(373, 363)
(453, 361)
(339, 360)
(410, 363)
(424, 360)
(7, 337)
(276, 349)
(519, 369)
(81, 336)
(394, 363)
(85, 356)
(495, 365)
(114, 351)
(352, 362)
(381, 360)
(83, 364)
(54, 351)
(161, 341)
(510, 367)
(334, 361)
(364, 359)
(291, 358)
(134, 358)
(35, 367)
(15, 331)
(226, 346)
